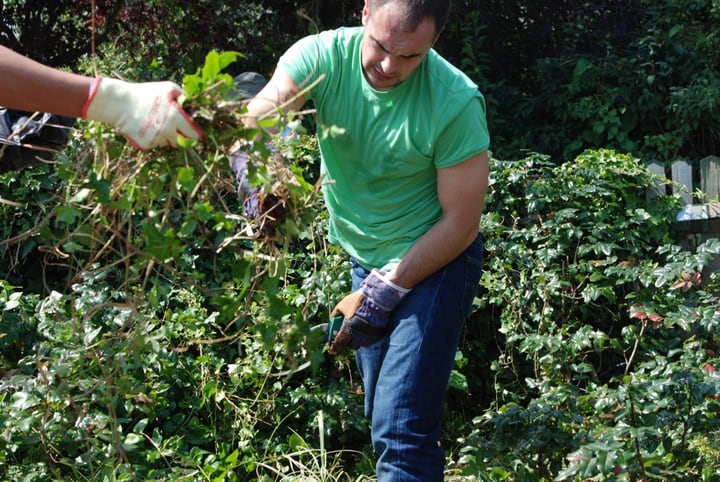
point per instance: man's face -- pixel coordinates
(390, 55)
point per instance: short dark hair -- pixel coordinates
(418, 10)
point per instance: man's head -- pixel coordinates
(398, 36)
(415, 11)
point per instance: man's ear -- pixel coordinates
(365, 12)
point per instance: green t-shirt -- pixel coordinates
(381, 150)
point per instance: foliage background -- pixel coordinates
(144, 322)
(560, 76)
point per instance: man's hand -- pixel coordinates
(366, 312)
(239, 160)
(146, 113)
(250, 195)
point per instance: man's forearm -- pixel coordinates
(461, 192)
(29, 85)
(445, 241)
(280, 92)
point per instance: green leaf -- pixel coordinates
(215, 63)
(187, 228)
(192, 85)
(162, 246)
(67, 214)
(186, 178)
(229, 57)
(296, 442)
(209, 389)
(233, 457)
(458, 381)
(80, 196)
(211, 68)
(24, 400)
(101, 186)
(12, 302)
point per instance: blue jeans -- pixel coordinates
(405, 375)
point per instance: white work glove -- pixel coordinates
(146, 113)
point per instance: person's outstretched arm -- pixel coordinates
(147, 113)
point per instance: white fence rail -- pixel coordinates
(699, 219)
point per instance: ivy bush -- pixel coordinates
(607, 359)
(166, 349)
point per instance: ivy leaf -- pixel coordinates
(296, 442)
(24, 400)
(186, 178)
(67, 214)
(458, 381)
(161, 246)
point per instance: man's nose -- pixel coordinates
(388, 64)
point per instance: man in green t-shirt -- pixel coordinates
(406, 172)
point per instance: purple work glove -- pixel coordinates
(367, 312)
(239, 166)
(246, 192)
(266, 210)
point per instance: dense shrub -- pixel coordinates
(606, 329)
(168, 37)
(55, 33)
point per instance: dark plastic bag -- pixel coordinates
(27, 138)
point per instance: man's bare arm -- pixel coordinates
(461, 191)
(280, 95)
(32, 86)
